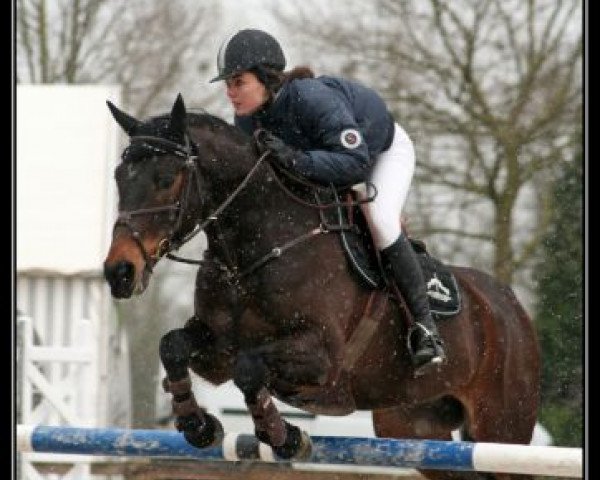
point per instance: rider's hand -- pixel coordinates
(283, 154)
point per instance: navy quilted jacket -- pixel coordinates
(340, 125)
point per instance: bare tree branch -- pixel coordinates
(460, 233)
(25, 40)
(91, 41)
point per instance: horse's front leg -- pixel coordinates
(199, 428)
(305, 362)
(287, 441)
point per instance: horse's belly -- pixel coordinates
(333, 399)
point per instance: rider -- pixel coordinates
(334, 131)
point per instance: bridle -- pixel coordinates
(172, 241)
(176, 210)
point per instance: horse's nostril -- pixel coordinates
(122, 272)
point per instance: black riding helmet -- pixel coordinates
(246, 50)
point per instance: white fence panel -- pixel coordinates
(65, 395)
(62, 392)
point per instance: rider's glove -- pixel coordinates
(284, 155)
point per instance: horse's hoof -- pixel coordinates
(209, 434)
(297, 446)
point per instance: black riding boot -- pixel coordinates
(424, 342)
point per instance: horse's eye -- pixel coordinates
(164, 181)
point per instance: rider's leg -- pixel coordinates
(424, 340)
(391, 177)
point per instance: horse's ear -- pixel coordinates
(178, 115)
(127, 122)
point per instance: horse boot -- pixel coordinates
(423, 340)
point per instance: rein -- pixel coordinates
(276, 251)
(316, 188)
(213, 216)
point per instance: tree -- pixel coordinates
(559, 312)
(489, 90)
(150, 49)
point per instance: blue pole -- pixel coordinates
(385, 452)
(326, 450)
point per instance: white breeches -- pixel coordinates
(391, 175)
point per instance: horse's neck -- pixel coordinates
(262, 215)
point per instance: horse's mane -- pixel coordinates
(199, 119)
(160, 126)
(203, 118)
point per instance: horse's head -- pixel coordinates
(156, 181)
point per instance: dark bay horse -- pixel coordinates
(277, 310)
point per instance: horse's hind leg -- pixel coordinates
(200, 428)
(491, 420)
(502, 405)
(287, 441)
(427, 421)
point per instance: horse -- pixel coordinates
(277, 309)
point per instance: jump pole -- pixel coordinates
(381, 452)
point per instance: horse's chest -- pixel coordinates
(257, 328)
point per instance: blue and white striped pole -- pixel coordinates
(423, 454)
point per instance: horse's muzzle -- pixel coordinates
(120, 276)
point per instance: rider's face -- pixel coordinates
(245, 93)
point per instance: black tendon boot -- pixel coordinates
(424, 343)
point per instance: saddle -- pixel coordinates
(365, 262)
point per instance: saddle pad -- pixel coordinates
(442, 289)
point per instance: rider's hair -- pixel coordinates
(273, 79)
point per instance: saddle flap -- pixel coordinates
(347, 219)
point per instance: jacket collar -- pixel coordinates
(272, 108)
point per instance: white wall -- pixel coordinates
(67, 147)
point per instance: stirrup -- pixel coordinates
(435, 343)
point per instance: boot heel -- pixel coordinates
(426, 350)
